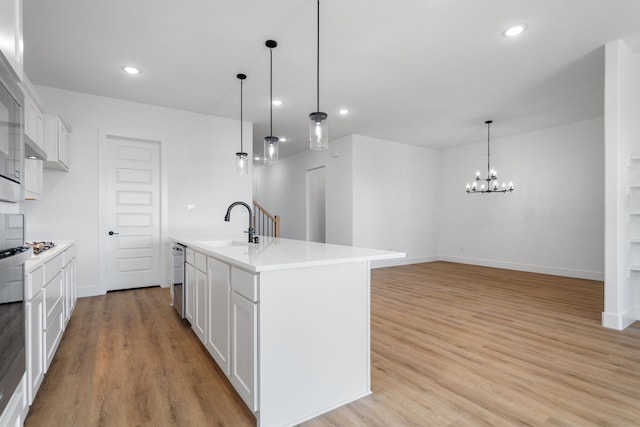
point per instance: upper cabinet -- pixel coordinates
(33, 121)
(11, 44)
(56, 141)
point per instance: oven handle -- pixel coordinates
(16, 260)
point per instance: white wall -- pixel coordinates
(622, 110)
(395, 188)
(281, 189)
(198, 167)
(551, 223)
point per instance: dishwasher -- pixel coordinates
(179, 288)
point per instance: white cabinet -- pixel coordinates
(189, 282)
(50, 296)
(33, 117)
(244, 336)
(53, 313)
(33, 178)
(69, 277)
(218, 300)
(16, 410)
(56, 141)
(35, 345)
(199, 324)
(244, 370)
(11, 44)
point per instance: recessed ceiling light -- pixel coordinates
(257, 158)
(277, 102)
(343, 111)
(283, 139)
(516, 30)
(131, 70)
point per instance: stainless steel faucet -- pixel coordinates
(227, 217)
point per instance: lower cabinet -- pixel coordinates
(50, 297)
(200, 314)
(218, 299)
(244, 372)
(54, 315)
(222, 307)
(190, 283)
(34, 344)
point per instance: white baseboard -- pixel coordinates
(622, 321)
(91, 291)
(403, 261)
(580, 274)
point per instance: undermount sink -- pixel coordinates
(223, 243)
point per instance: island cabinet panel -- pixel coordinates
(200, 314)
(190, 281)
(244, 338)
(218, 296)
(314, 341)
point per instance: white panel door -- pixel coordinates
(132, 213)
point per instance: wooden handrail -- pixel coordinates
(273, 218)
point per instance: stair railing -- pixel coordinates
(264, 222)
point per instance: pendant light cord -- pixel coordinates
(318, 62)
(270, 91)
(241, 147)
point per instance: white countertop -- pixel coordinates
(37, 260)
(279, 254)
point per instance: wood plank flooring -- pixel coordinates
(452, 345)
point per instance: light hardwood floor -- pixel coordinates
(452, 345)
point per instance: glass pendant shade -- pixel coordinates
(242, 165)
(318, 131)
(270, 150)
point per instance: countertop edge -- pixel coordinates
(36, 261)
(211, 251)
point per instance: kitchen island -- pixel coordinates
(286, 320)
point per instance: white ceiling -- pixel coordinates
(423, 72)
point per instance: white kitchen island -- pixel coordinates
(286, 320)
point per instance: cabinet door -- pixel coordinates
(218, 296)
(63, 145)
(33, 179)
(244, 360)
(190, 284)
(200, 314)
(69, 273)
(35, 345)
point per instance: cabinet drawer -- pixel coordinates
(53, 297)
(52, 267)
(190, 256)
(244, 283)
(34, 283)
(53, 334)
(201, 262)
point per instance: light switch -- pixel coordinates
(191, 207)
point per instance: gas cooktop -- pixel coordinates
(39, 247)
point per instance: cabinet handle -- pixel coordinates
(111, 233)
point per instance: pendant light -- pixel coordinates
(493, 185)
(318, 126)
(270, 142)
(242, 166)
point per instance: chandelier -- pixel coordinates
(492, 186)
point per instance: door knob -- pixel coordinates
(111, 233)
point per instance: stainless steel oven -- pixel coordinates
(13, 254)
(11, 127)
